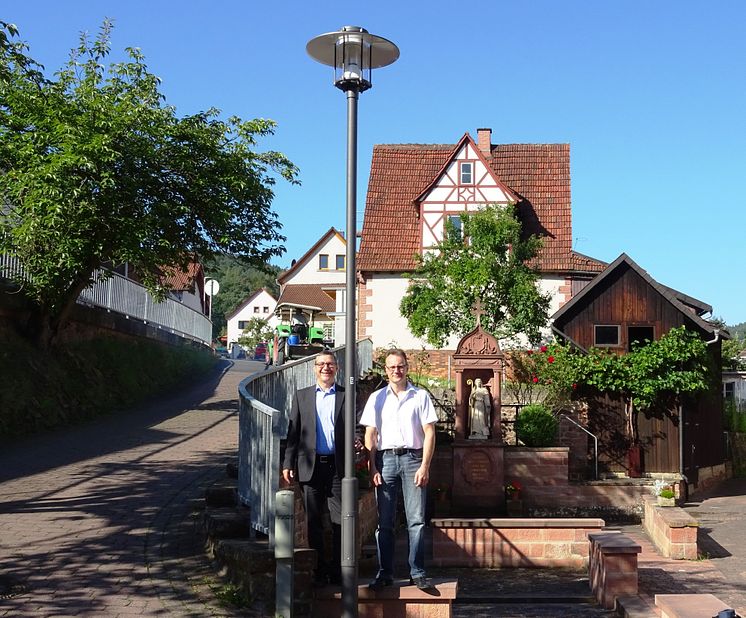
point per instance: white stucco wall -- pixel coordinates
(309, 272)
(261, 301)
(390, 327)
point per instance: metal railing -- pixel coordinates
(264, 410)
(129, 298)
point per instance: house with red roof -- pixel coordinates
(315, 284)
(414, 188)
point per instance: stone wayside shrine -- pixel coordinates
(478, 476)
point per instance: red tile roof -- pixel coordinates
(307, 295)
(539, 174)
(182, 280)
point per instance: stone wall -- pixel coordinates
(672, 530)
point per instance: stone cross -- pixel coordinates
(478, 311)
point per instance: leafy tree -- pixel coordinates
(732, 349)
(256, 331)
(95, 168)
(237, 281)
(490, 264)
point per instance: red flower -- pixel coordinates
(543, 348)
(550, 359)
(535, 379)
(529, 352)
(574, 386)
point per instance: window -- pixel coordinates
(605, 335)
(729, 391)
(256, 309)
(265, 309)
(323, 261)
(340, 265)
(639, 336)
(457, 230)
(242, 324)
(467, 173)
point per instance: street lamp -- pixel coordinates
(353, 52)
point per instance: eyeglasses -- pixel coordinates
(325, 364)
(396, 368)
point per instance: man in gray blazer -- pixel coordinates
(315, 456)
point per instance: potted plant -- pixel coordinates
(513, 490)
(665, 493)
(513, 502)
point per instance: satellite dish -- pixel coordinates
(212, 287)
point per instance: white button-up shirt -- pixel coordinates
(399, 419)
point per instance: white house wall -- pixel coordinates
(261, 301)
(310, 273)
(390, 327)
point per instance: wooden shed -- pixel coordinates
(622, 305)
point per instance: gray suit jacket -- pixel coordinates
(300, 451)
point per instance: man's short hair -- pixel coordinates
(397, 352)
(327, 353)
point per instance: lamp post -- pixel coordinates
(353, 52)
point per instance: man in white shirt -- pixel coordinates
(400, 437)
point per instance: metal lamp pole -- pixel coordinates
(353, 52)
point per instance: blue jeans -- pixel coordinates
(397, 472)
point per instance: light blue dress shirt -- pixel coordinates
(325, 420)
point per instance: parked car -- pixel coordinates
(222, 352)
(260, 352)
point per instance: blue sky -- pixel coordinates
(649, 95)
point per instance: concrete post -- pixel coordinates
(284, 548)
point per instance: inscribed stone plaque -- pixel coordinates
(477, 468)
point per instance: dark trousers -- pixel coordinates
(324, 489)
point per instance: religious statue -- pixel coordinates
(480, 407)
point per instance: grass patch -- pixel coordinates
(78, 381)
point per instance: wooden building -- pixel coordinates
(622, 305)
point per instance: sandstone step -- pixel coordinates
(226, 522)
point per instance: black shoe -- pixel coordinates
(379, 582)
(423, 583)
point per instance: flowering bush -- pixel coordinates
(513, 488)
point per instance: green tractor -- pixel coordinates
(296, 336)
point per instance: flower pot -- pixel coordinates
(666, 501)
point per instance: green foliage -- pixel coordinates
(732, 349)
(97, 168)
(738, 331)
(256, 331)
(735, 419)
(79, 381)
(667, 493)
(491, 266)
(237, 281)
(536, 426)
(652, 378)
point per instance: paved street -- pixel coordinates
(90, 517)
(97, 520)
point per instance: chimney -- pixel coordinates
(484, 140)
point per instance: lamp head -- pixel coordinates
(353, 53)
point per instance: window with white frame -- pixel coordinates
(466, 173)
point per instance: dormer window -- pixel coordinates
(466, 172)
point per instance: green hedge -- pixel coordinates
(536, 426)
(74, 382)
